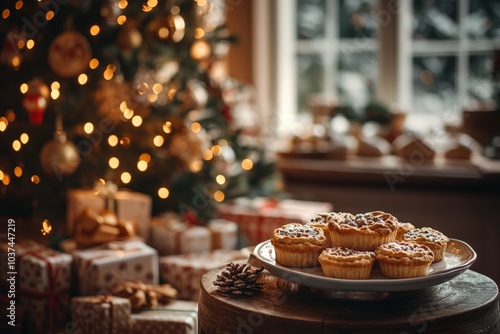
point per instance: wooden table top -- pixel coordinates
(465, 304)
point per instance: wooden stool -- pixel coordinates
(466, 304)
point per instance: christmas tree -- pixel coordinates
(101, 91)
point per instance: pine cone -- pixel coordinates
(239, 279)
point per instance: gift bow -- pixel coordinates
(144, 295)
(94, 229)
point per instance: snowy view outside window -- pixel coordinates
(449, 49)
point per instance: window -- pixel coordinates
(336, 50)
(432, 58)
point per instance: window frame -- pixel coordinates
(395, 52)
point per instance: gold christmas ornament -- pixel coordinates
(69, 54)
(59, 157)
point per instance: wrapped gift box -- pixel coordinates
(184, 271)
(258, 217)
(170, 235)
(224, 233)
(178, 317)
(100, 314)
(100, 267)
(129, 206)
(44, 283)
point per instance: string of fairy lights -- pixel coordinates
(174, 29)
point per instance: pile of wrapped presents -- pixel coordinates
(121, 270)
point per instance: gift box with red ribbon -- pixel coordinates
(258, 217)
(99, 268)
(184, 271)
(44, 283)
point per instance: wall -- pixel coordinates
(239, 18)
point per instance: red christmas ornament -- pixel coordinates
(35, 101)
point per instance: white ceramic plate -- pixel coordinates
(459, 257)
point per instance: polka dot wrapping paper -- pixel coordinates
(99, 268)
(100, 314)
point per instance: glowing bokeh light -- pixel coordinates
(114, 162)
(219, 196)
(113, 140)
(16, 145)
(88, 128)
(24, 138)
(126, 177)
(158, 141)
(247, 164)
(142, 165)
(220, 179)
(163, 193)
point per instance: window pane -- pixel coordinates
(356, 78)
(310, 19)
(309, 78)
(435, 19)
(434, 85)
(480, 85)
(483, 19)
(356, 18)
